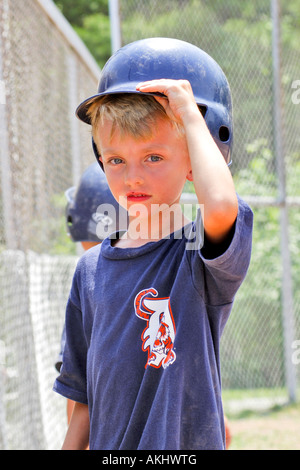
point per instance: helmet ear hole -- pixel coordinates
(202, 110)
(69, 221)
(224, 134)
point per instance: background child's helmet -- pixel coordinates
(155, 58)
(84, 221)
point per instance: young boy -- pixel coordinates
(146, 313)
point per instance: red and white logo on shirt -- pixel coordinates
(159, 335)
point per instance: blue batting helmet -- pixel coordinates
(155, 58)
(92, 213)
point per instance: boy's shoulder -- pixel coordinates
(89, 258)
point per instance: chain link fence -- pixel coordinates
(45, 71)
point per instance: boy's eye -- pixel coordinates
(154, 158)
(116, 161)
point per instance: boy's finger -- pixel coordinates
(158, 86)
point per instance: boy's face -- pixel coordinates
(149, 170)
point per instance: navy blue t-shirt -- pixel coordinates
(143, 327)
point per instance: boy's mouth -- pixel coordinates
(135, 196)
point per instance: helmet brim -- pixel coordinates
(69, 194)
(83, 109)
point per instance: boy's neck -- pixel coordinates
(154, 228)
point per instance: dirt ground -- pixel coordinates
(274, 430)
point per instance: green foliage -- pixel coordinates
(259, 177)
(95, 33)
(90, 19)
(77, 11)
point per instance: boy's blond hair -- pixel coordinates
(132, 114)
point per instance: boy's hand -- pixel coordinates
(178, 100)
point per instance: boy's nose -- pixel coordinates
(133, 177)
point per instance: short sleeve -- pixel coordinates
(221, 276)
(71, 383)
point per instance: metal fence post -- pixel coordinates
(287, 290)
(115, 27)
(5, 170)
(74, 123)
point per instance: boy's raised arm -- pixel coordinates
(212, 179)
